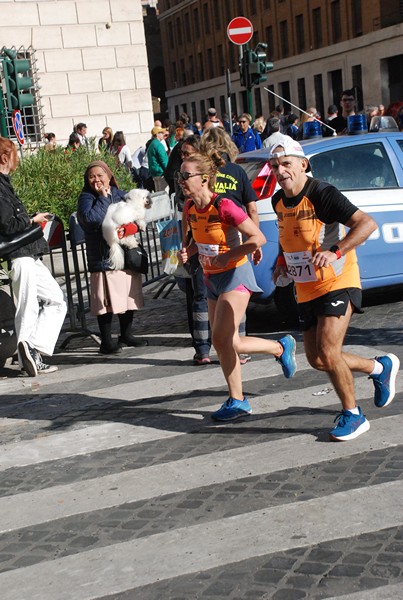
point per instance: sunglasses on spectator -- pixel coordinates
(242, 121)
(185, 175)
(347, 99)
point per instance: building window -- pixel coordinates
(196, 21)
(174, 74)
(244, 102)
(300, 33)
(301, 92)
(271, 98)
(240, 8)
(233, 58)
(336, 85)
(317, 27)
(170, 34)
(206, 18)
(234, 106)
(258, 101)
(220, 59)
(183, 72)
(252, 7)
(203, 111)
(336, 21)
(228, 10)
(270, 43)
(210, 64)
(356, 12)
(187, 28)
(217, 17)
(191, 69)
(266, 4)
(319, 94)
(179, 31)
(201, 66)
(284, 39)
(223, 107)
(356, 75)
(285, 91)
(193, 114)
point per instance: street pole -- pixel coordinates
(3, 122)
(228, 83)
(249, 99)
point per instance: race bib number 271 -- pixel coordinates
(300, 267)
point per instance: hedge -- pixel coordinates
(51, 181)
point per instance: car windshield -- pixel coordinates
(362, 166)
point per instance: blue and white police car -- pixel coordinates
(366, 168)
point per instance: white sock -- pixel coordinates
(354, 411)
(378, 368)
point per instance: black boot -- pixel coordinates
(108, 346)
(126, 337)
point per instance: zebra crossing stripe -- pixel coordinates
(31, 508)
(389, 592)
(95, 438)
(129, 565)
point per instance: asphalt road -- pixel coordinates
(116, 484)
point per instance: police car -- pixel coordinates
(366, 168)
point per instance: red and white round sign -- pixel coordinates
(240, 30)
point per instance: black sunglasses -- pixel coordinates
(184, 175)
(242, 121)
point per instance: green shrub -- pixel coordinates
(52, 181)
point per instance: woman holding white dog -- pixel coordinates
(112, 291)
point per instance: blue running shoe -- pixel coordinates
(287, 359)
(349, 426)
(384, 383)
(232, 409)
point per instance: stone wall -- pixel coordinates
(92, 63)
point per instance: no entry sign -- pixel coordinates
(240, 30)
(18, 127)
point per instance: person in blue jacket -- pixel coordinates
(112, 291)
(245, 138)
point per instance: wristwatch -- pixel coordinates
(336, 251)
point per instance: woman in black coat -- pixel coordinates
(40, 304)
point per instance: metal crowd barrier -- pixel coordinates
(67, 263)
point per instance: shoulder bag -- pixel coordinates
(136, 259)
(9, 243)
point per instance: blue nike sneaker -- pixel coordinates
(232, 409)
(287, 359)
(349, 426)
(385, 382)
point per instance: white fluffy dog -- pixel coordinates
(132, 208)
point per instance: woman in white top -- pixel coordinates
(121, 150)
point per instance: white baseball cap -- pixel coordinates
(290, 148)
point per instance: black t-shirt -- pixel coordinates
(233, 183)
(331, 206)
(339, 123)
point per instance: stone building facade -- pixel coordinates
(92, 62)
(318, 48)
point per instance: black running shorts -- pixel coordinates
(331, 304)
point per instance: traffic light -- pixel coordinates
(258, 67)
(17, 81)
